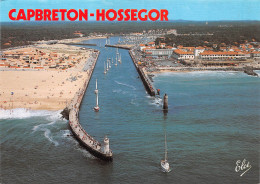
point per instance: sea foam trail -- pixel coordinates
(130, 86)
(47, 134)
(22, 113)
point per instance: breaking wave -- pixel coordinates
(22, 113)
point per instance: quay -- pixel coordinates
(87, 141)
(119, 46)
(144, 77)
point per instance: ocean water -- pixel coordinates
(213, 121)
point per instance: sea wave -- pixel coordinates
(21, 113)
(155, 101)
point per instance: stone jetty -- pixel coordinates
(144, 77)
(87, 141)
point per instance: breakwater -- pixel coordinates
(118, 46)
(87, 44)
(87, 141)
(144, 77)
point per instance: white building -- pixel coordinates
(179, 54)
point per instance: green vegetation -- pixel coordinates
(222, 35)
(23, 33)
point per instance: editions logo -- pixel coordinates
(82, 15)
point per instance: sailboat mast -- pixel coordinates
(97, 100)
(165, 148)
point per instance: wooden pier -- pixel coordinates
(146, 81)
(87, 141)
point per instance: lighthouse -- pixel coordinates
(106, 145)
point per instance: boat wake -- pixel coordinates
(119, 91)
(127, 85)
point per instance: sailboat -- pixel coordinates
(96, 108)
(107, 66)
(105, 70)
(119, 58)
(109, 62)
(116, 61)
(164, 163)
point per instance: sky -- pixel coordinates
(197, 10)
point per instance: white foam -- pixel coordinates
(47, 134)
(22, 113)
(65, 133)
(156, 101)
(38, 127)
(130, 86)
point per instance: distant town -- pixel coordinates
(155, 47)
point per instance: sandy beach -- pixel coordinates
(48, 89)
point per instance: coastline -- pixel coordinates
(194, 69)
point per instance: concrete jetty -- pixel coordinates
(88, 44)
(144, 77)
(87, 141)
(118, 46)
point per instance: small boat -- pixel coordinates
(116, 61)
(119, 58)
(109, 62)
(164, 163)
(105, 70)
(107, 66)
(96, 108)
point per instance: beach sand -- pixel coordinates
(49, 90)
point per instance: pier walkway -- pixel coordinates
(80, 134)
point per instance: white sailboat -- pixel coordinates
(164, 163)
(107, 66)
(109, 62)
(105, 70)
(119, 58)
(96, 108)
(116, 61)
